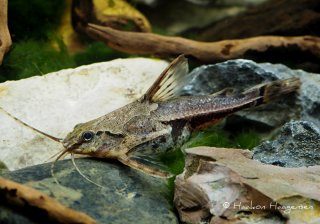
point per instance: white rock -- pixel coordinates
(56, 102)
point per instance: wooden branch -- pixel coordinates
(273, 17)
(208, 52)
(5, 38)
(23, 196)
(119, 15)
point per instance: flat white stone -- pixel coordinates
(56, 102)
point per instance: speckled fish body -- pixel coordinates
(162, 119)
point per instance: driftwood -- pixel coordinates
(36, 202)
(148, 43)
(116, 14)
(5, 38)
(227, 186)
(273, 17)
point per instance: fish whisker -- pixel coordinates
(65, 151)
(79, 171)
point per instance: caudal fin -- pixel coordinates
(276, 89)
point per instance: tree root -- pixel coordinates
(36, 202)
(5, 38)
(207, 52)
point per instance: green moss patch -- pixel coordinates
(29, 58)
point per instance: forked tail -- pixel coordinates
(281, 87)
(273, 90)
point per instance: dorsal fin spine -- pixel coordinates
(167, 82)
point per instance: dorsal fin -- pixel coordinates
(169, 82)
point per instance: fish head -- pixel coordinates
(88, 141)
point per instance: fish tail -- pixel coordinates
(273, 90)
(278, 88)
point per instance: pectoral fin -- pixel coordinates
(169, 82)
(145, 166)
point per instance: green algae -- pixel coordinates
(30, 58)
(97, 52)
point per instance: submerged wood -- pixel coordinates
(273, 17)
(5, 38)
(34, 201)
(117, 14)
(208, 52)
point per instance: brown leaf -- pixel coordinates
(219, 182)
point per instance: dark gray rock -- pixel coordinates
(309, 93)
(310, 97)
(243, 74)
(128, 196)
(297, 145)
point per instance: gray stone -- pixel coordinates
(297, 145)
(242, 74)
(128, 196)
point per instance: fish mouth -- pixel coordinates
(63, 153)
(71, 146)
(75, 149)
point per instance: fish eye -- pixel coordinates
(87, 136)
